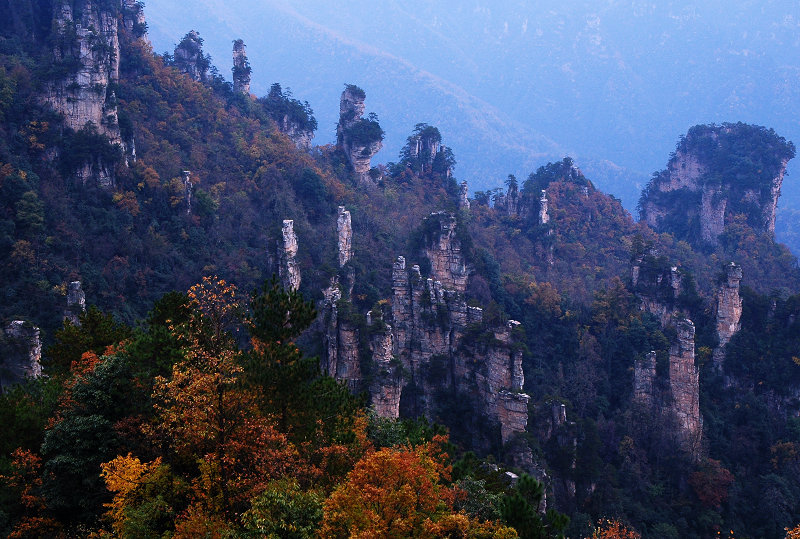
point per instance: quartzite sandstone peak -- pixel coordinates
(716, 172)
(359, 138)
(241, 68)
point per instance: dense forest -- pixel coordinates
(255, 358)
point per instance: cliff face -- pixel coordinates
(729, 310)
(288, 271)
(659, 290)
(444, 253)
(344, 231)
(22, 355)
(715, 173)
(426, 345)
(86, 49)
(684, 385)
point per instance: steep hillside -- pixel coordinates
(643, 371)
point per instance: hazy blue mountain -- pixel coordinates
(514, 84)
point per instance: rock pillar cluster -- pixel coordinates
(22, 355)
(426, 342)
(658, 293)
(241, 69)
(288, 270)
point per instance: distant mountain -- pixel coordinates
(512, 85)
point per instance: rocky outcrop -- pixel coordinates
(387, 382)
(89, 45)
(241, 69)
(729, 310)
(187, 190)
(448, 265)
(658, 291)
(293, 118)
(288, 270)
(189, 58)
(344, 230)
(544, 216)
(85, 38)
(715, 173)
(684, 385)
(359, 138)
(22, 354)
(76, 303)
(301, 137)
(463, 196)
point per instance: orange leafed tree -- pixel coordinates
(206, 415)
(399, 493)
(614, 529)
(25, 478)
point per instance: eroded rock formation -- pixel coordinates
(344, 229)
(22, 354)
(359, 138)
(644, 377)
(241, 69)
(544, 216)
(713, 176)
(85, 38)
(427, 344)
(684, 385)
(189, 57)
(463, 196)
(444, 253)
(729, 310)
(659, 291)
(288, 270)
(76, 303)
